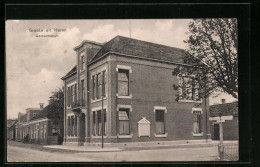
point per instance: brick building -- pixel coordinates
(139, 99)
(36, 126)
(10, 129)
(230, 127)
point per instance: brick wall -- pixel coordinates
(230, 130)
(151, 84)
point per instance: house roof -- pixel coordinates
(225, 109)
(72, 71)
(11, 122)
(139, 49)
(23, 118)
(51, 111)
(142, 49)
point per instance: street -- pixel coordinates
(23, 154)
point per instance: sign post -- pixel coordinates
(220, 120)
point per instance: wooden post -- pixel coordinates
(221, 146)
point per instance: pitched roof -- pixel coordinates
(225, 109)
(23, 118)
(73, 70)
(142, 49)
(139, 49)
(11, 122)
(41, 114)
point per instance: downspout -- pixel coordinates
(87, 93)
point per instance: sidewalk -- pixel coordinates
(140, 146)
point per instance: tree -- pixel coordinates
(214, 43)
(55, 109)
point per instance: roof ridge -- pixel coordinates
(149, 42)
(224, 103)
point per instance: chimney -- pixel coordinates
(41, 105)
(223, 101)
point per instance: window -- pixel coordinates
(188, 88)
(99, 86)
(99, 126)
(75, 93)
(55, 129)
(68, 95)
(159, 122)
(197, 122)
(93, 87)
(104, 78)
(99, 123)
(123, 82)
(94, 124)
(75, 126)
(32, 133)
(124, 125)
(41, 132)
(72, 126)
(82, 61)
(82, 90)
(69, 125)
(45, 131)
(72, 95)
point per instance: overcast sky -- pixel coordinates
(35, 65)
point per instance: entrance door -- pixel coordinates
(216, 132)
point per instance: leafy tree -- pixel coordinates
(55, 109)
(214, 43)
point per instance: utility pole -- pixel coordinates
(221, 146)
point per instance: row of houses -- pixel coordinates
(128, 85)
(37, 125)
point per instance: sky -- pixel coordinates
(35, 65)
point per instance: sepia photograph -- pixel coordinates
(122, 90)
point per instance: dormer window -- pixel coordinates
(82, 61)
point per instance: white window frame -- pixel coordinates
(186, 100)
(82, 54)
(95, 110)
(70, 98)
(130, 110)
(123, 67)
(165, 112)
(201, 112)
(95, 73)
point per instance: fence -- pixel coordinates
(231, 152)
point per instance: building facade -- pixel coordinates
(132, 82)
(11, 128)
(35, 126)
(231, 126)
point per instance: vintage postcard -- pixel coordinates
(129, 90)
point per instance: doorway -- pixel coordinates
(216, 132)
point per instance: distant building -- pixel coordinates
(230, 127)
(139, 98)
(37, 126)
(11, 128)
